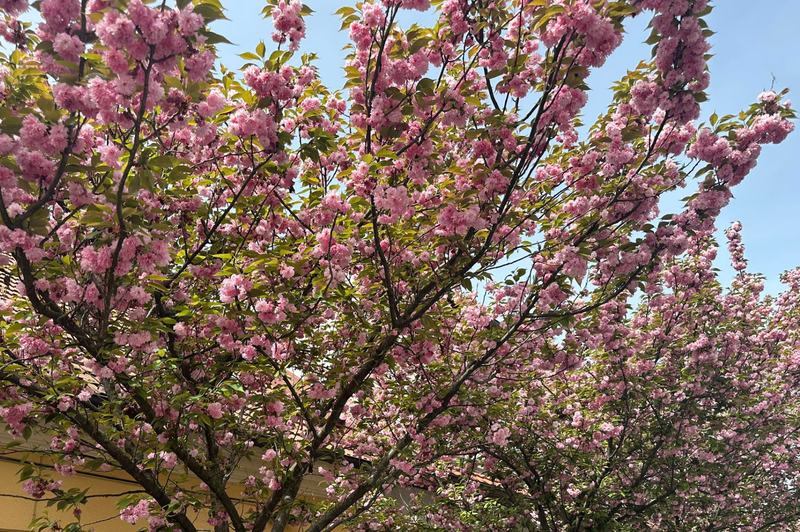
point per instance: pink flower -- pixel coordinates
(419, 5)
(214, 103)
(169, 460)
(215, 410)
(234, 287)
(115, 30)
(287, 272)
(288, 23)
(373, 15)
(199, 65)
(500, 435)
(188, 21)
(34, 488)
(14, 7)
(58, 14)
(132, 514)
(269, 312)
(453, 221)
(269, 455)
(68, 46)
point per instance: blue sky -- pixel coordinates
(754, 42)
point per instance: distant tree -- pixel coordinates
(681, 415)
(420, 282)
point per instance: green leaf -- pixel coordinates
(48, 108)
(654, 37)
(619, 9)
(27, 471)
(426, 86)
(418, 45)
(210, 12)
(213, 38)
(162, 161)
(547, 15)
(345, 11)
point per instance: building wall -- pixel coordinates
(17, 510)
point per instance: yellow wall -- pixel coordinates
(17, 511)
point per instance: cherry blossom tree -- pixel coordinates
(419, 283)
(680, 415)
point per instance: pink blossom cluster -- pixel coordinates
(288, 23)
(134, 513)
(679, 60)
(16, 416)
(39, 487)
